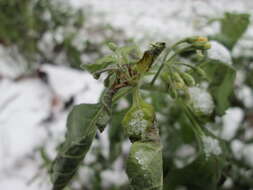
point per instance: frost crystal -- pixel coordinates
(219, 52)
(138, 123)
(211, 146)
(201, 100)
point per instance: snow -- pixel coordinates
(184, 155)
(24, 105)
(138, 123)
(219, 52)
(201, 100)
(247, 154)
(242, 151)
(67, 82)
(110, 177)
(246, 95)
(211, 146)
(231, 122)
(162, 19)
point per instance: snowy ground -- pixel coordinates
(25, 104)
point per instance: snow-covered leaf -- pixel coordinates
(144, 166)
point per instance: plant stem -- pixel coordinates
(169, 60)
(150, 87)
(162, 65)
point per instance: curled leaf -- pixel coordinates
(81, 129)
(106, 109)
(149, 57)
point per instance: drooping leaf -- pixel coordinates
(221, 76)
(106, 109)
(144, 166)
(81, 129)
(233, 26)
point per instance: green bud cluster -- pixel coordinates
(187, 78)
(196, 39)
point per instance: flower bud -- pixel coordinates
(177, 78)
(173, 93)
(201, 72)
(188, 79)
(201, 45)
(196, 39)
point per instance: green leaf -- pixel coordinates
(100, 65)
(233, 26)
(144, 166)
(198, 175)
(106, 109)
(221, 78)
(81, 129)
(130, 53)
(205, 170)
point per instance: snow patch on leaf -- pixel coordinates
(219, 52)
(138, 123)
(201, 100)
